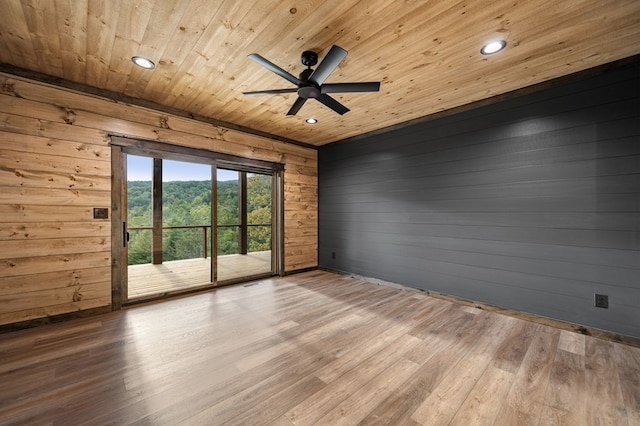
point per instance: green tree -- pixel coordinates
(189, 203)
(259, 212)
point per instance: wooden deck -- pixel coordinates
(314, 348)
(178, 275)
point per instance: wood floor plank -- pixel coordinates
(604, 401)
(255, 359)
(315, 347)
(565, 398)
(627, 360)
(379, 339)
(513, 348)
(481, 405)
(571, 342)
(356, 407)
(444, 315)
(437, 357)
(445, 399)
(526, 396)
(240, 410)
(233, 396)
(313, 408)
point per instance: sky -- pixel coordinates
(141, 168)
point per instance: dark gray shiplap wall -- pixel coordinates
(531, 203)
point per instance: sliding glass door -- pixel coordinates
(190, 223)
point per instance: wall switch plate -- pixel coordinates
(601, 301)
(100, 213)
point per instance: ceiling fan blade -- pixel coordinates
(297, 105)
(329, 63)
(274, 68)
(270, 92)
(350, 87)
(333, 104)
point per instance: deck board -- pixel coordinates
(173, 276)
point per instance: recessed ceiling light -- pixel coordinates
(311, 121)
(143, 62)
(493, 47)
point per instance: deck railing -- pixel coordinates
(204, 228)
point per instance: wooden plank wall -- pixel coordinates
(55, 168)
(531, 204)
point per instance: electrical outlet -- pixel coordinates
(601, 301)
(333, 254)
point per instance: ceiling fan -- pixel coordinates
(310, 84)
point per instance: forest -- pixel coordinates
(188, 204)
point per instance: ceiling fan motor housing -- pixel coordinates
(304, 75)
(309, 58)
(307, 92)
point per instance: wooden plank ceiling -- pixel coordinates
(425, 53)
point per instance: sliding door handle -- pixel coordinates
(125, 235)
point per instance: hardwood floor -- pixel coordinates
(313, 348)
(178, 275)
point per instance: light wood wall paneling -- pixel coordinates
(46, 196)
(59, 131)
(36, 248)
(18, 302)
(54, 146)
(90, 304)
(33, 214)
(51, 280)
(18, 266)
(20, 231)
(52, 102)
(55, 167)
(27, 178)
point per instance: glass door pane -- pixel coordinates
(169, 226)
(186, 222)
(259, 212)
(244, 224)
(139, 204)
(228, 227)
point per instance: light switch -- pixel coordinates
(100, 213)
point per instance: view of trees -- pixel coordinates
(188, 203)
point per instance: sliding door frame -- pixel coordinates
(121, 146)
